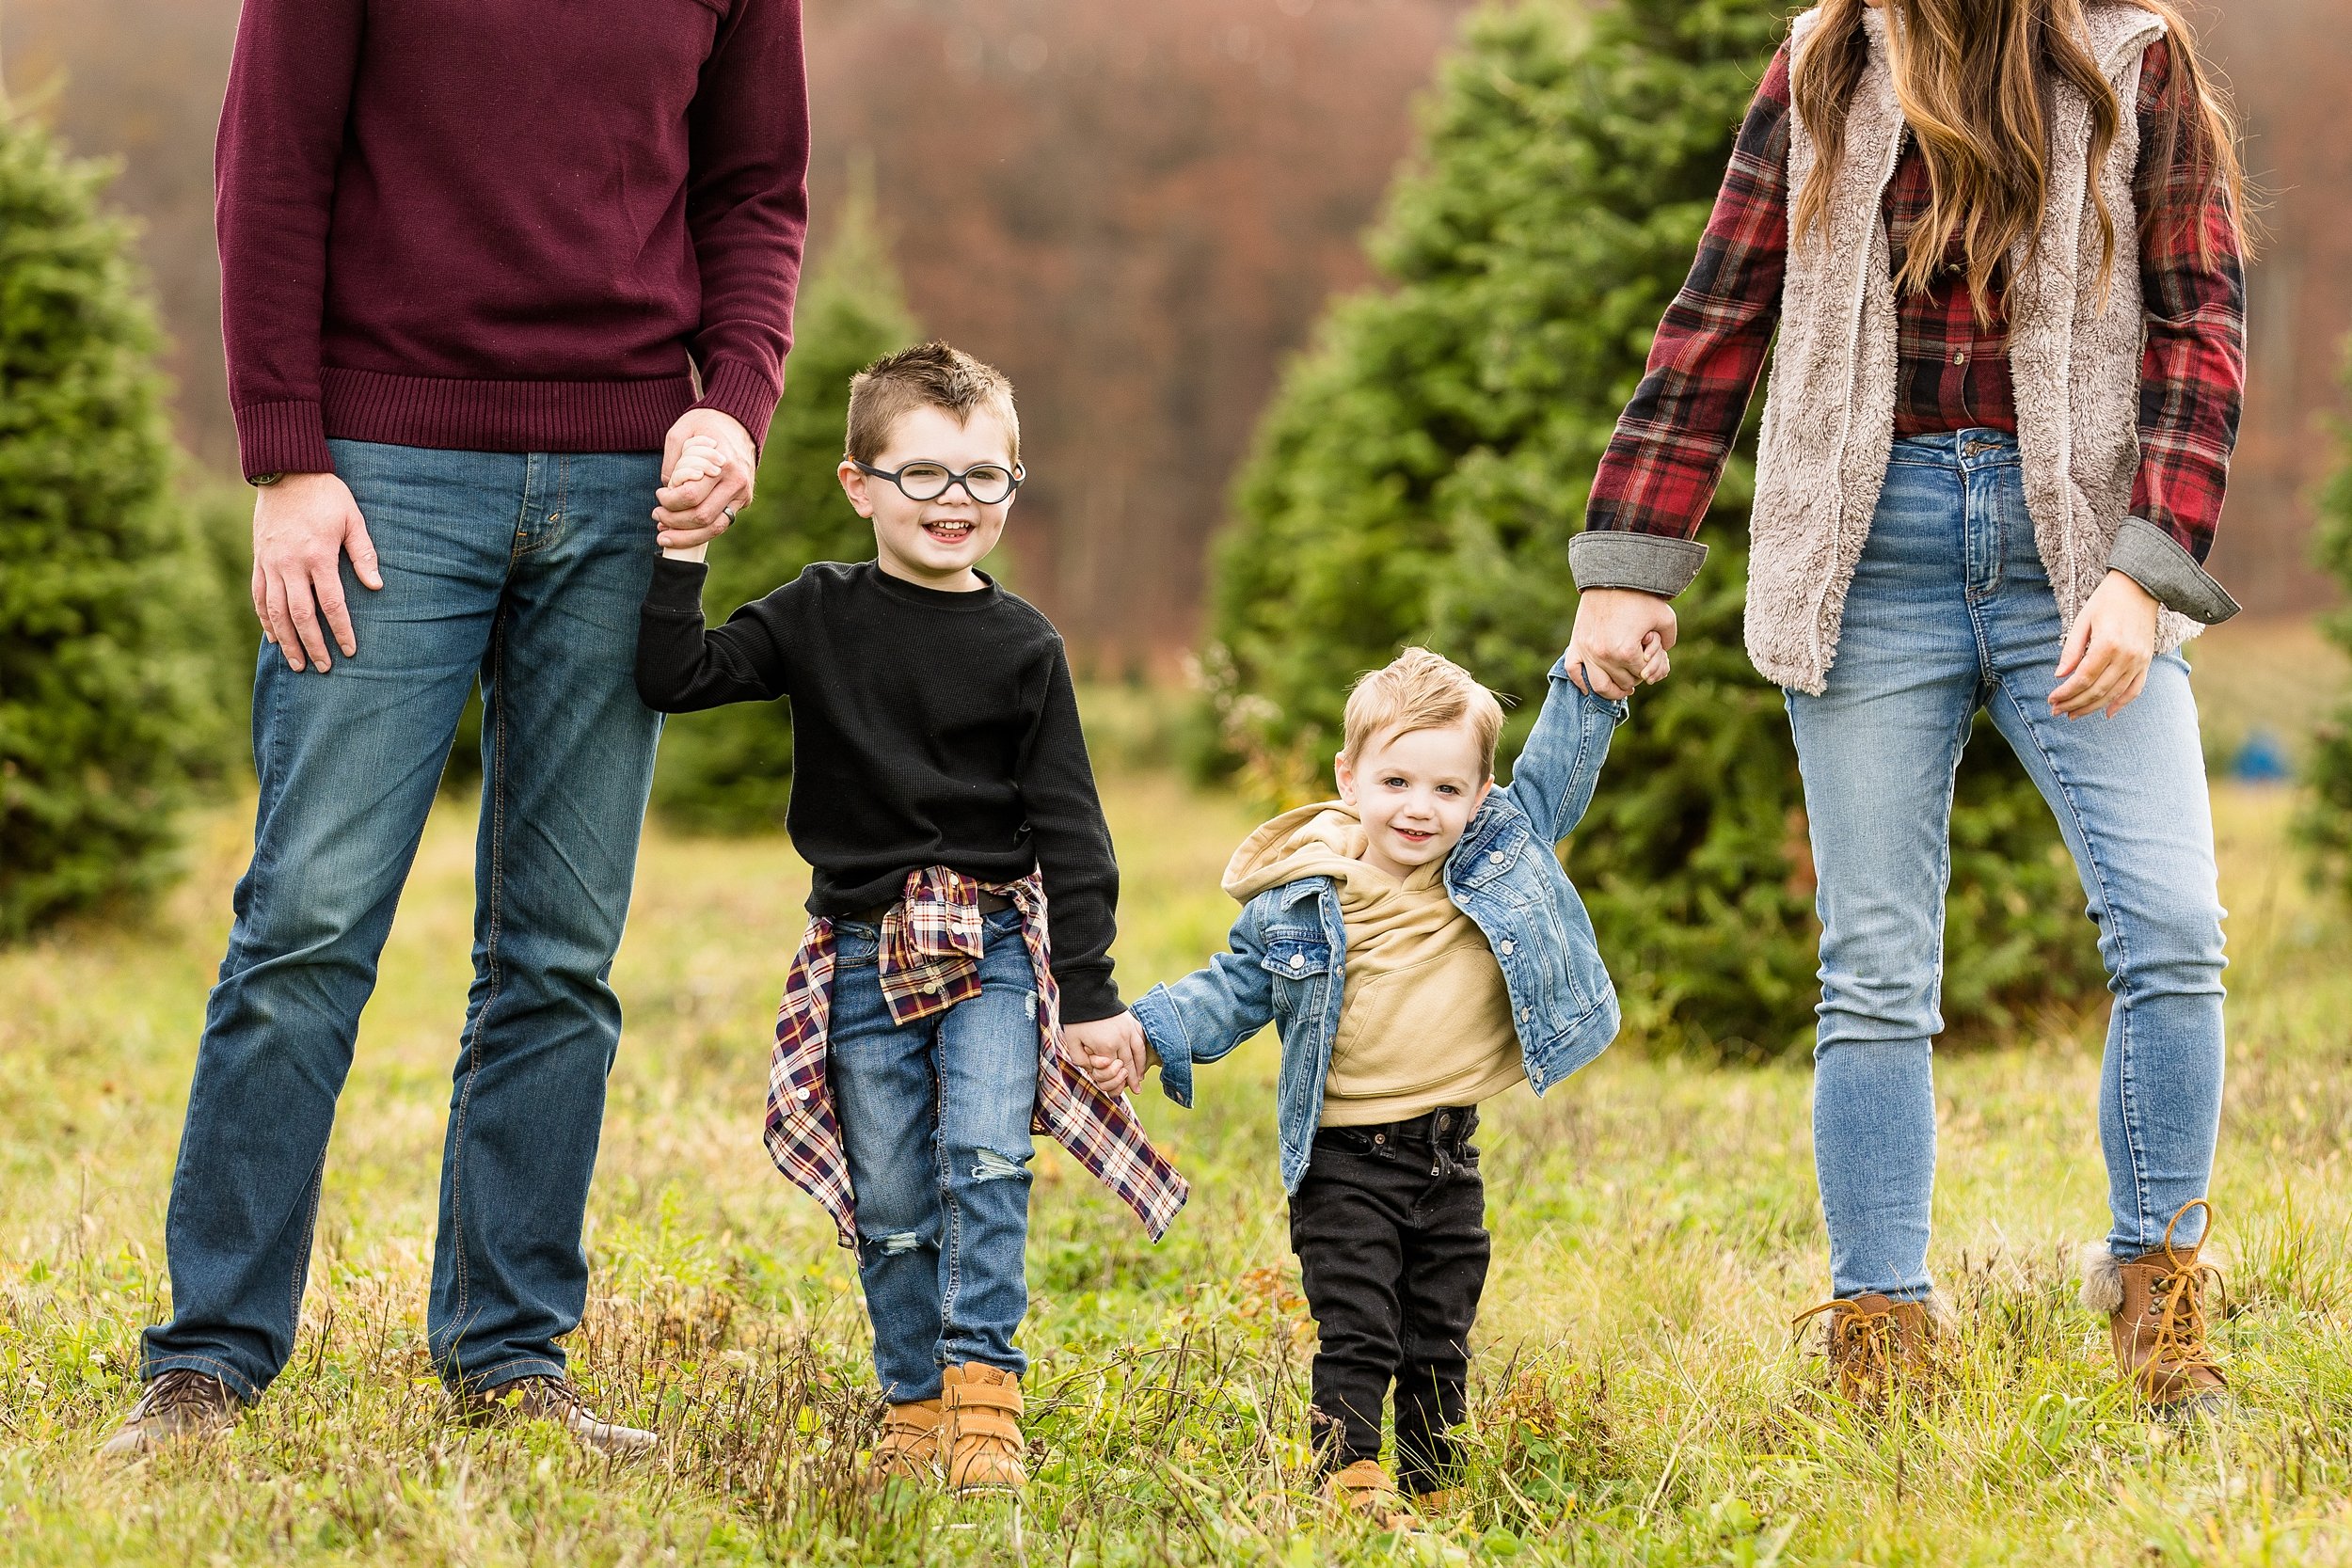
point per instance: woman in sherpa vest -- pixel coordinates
(1999, 239)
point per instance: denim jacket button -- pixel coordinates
(1526, 1013)
(1299, 960)
(1495, 856)
(1507, 947)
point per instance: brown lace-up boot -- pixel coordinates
(179, 1404)
(981, 1428)
(539, 1396)
(909, 1445)
(2156, 1307)
(1877, 1344)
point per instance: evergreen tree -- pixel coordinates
(108, 608)
(1426, 463)
(2325, 823)
(730, 771)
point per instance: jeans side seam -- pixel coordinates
(496, 726)
(2126, 1096)
(950, 1214)
(302, 1259)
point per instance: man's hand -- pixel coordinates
(2105, 663)
(1620, 641)
(1109, 1050)
(699, 512)
(302, 527)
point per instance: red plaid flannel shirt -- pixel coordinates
(1663, 466)
(929, 960)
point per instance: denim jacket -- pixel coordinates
(1287, 959)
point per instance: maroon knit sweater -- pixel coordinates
(506, 225)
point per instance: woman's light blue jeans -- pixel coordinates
(524, 570)
(936, 1120)
(1950, 612)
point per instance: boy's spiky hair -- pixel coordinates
(1421, 690)
(929, 376)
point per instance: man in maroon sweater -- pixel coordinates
(485, 267)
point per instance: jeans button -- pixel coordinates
(1379, 1137)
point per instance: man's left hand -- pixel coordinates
(691, 514)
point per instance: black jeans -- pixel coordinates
(1390, 1228)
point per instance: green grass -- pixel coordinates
(1637, 1395)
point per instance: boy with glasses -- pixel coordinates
(935, 1012)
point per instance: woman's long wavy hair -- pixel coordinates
(1975, 78)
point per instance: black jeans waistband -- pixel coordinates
(1448, 1127)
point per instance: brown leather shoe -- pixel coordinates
(2156, 1307)
(979, 1409)
(179, 1405)
(543, 1398)
(1877, 1344)
(908, 1448)
(1364, 1489)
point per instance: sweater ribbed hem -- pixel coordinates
(737, 390)
(281, 438)
(453, 414)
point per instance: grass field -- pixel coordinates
(1637, 1396)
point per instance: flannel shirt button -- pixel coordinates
(932, 987)
(808, 1095)
(1960, 356)
(1509, 947)
(1299, 960)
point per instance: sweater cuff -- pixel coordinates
(282, 439)
(735, 388)
(2158, 563)
(1087, 995)
(1651, 562)
(677, 588)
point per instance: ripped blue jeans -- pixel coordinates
(935, 1119)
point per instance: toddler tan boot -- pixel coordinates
(1877, 1344)
(981, 1428)
(2156, 1307)
(1364, 1489)
(908, 1448)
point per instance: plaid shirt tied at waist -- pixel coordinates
(929, 960)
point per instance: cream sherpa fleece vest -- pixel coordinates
(2074, 358)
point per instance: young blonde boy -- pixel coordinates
(939, 791)
(1421, 949)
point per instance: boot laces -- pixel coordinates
(1862, 1341)
(2180, 1301)
(181, 1391)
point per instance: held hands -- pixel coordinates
(1111, 1050)
(1620, 641)
(696, 510)
(302, 527)
(2105, 664)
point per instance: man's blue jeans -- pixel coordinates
(524, 570)
(1951, 611)
(936, 1120)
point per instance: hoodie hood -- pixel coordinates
(1323, 840)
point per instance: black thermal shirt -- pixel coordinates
(927, 729)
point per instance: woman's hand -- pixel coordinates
(2105, 661)
(1620, 641)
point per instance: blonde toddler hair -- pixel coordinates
(929, 376)
(1421, 690)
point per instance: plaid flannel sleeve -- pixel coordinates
(2192, 370)
(1658, 475)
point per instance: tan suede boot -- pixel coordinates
(981, 1428)
(1876, 1345)
(2156, 1307)
(908, 1448)
(1364, 1489)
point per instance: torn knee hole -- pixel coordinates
(989, 1165)
(895, 1243)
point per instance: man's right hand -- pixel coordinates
(1610, 651)
(302, 526)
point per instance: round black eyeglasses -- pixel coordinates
(985, 482)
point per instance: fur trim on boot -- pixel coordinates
(2102, 1278)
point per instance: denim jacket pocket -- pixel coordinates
(1296, 955)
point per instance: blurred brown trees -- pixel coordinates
(1136, 210)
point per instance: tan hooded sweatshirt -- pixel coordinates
(1426, 1020)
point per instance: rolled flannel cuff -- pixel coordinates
(1652, 562)
(2158, 563)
